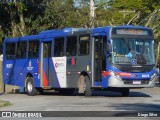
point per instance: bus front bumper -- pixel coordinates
(118, 82)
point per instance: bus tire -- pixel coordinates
(31, 90)
(88, 90)
(125, 92)
(84, 86)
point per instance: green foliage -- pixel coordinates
(18, 18)
(1, 35)
(23, 18)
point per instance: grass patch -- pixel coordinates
(4, 103)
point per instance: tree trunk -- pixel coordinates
(22, 25)
(14, 28)
(92, 13)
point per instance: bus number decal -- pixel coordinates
(145, 75)
(9, 65)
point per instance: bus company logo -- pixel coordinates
(30, 66)
(134, 62)
(59, 65)
(145, 75)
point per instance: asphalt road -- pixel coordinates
(146, 99)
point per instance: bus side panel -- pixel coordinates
(72, 72)
(104, 82)
(76, 65)
(23, 67)
(8, 72)
(33, 67)
(105, 77)
(49, 74)
(45, 72)
(59, 71)
(53, 79)
(19, 72)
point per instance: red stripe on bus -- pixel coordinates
(73, 61)
(45, 81)
(124, 74)
(106, 73)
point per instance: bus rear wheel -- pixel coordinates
(31, 90)
(84, 86)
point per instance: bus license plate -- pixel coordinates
(136, 82)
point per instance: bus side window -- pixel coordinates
(71, 48)
(21, 50)
(10, 51)
(59, 47)
(33, 49)
(47, 50)
(84, 43)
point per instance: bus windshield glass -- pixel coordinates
(132, 51)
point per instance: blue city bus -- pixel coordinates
(113, 58)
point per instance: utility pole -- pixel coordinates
(125, 12)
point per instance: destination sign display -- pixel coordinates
(132, 32)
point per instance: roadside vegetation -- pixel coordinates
(23, 17)
(4, 103)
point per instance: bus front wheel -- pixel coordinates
(31, 90)
(84, 86)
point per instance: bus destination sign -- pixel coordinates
(131, 32)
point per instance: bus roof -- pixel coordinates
(23, 38)
(68, 31)
(48, 33)
(65, 30)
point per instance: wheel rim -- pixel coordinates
(29, 87)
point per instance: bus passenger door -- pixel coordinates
(99, 57)
(45, 63)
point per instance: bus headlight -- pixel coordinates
(153, 76)
(115, 74)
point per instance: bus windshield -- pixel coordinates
(132, 51)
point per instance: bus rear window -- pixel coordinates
(10, 51)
